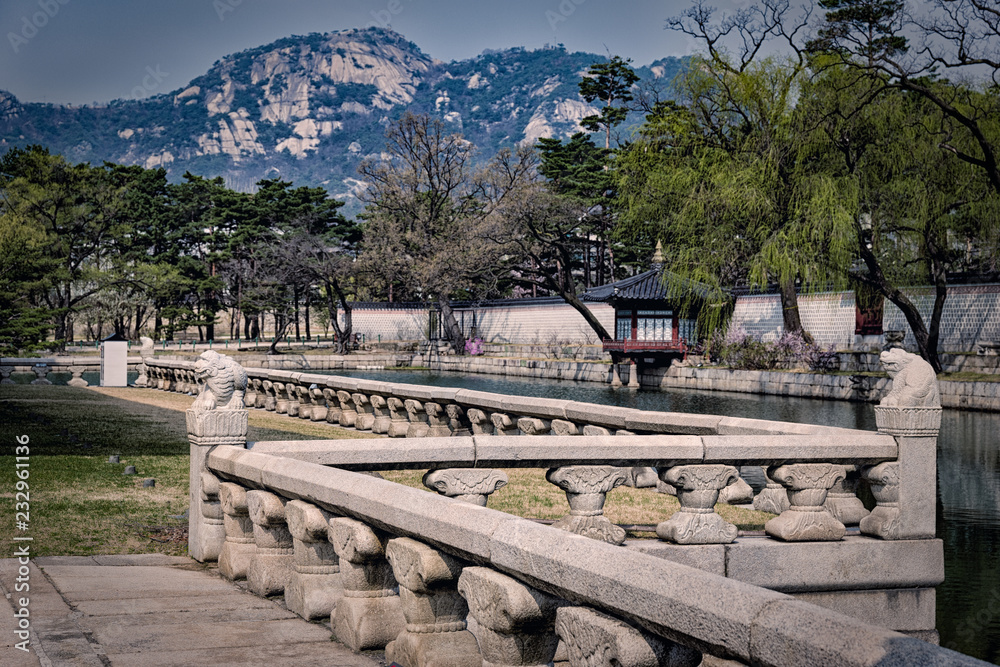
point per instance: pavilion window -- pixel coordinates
(654, 325)
(623, 325)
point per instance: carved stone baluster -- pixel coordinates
(737, 493)
(590, 429)
(366, 415)
(458, 421)
(381, 413)
(314, 588)
(586, 488)
(503, 424)
(78, 381)
(883, 521)
(471, 485)
(271, 565)
(333, 410)
(251, 396)
(419, 427)
(305, 401)
(399, 424)
(480, 422)
(270, 396)
(437, 421)
(319, 407)
(806, 519)
(280, 398)
(594, 639)
(563, 427)
(533, 426)
(238, 551)
(842, 501)
(369, 615)
(772, 498)
(213, 529)
(348, 414)
(435, 612)
(292, 389)
(698, 488)
(514, 623)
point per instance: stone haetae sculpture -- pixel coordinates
(225, 382)
(146, 352)
(914, 383)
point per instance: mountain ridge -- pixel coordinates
(309, 108)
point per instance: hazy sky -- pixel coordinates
(82, 51)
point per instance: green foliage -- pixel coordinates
(611, 83)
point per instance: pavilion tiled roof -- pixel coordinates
(651, 285)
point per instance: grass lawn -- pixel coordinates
(80, 504)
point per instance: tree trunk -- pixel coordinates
(790, 310)
(295, 297)
(451, 329)
(308, 330)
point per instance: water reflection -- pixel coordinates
(968, 603)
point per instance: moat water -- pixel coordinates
(968, 510)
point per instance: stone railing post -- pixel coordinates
(41, 370)
(471, 485)
(381, 413)
(348, 414)
(253, 386)
(369, 615)
(435, 612)
(534, 426)
(586, 488)
(280, 398)
(208, 429)
(319, 407)
(305, 401)
(314, 588)
(270, 396)
(563, 427)
(366, 414)
(911, 412)
(292, 389)
(514, 623)
(503, 424)
(399, 424)
(234, 560)
(458, 421)
(479, 421)
(5, 373)
(438, 424)
(772, 498)
(806, 519)
(77, 379)
(271, 565)
(842, 501)
(594, 639)
(698, 488)
(332, 406)
(418, 428)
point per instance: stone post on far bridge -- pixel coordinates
(217, 417)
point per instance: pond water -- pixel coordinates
(968, 602)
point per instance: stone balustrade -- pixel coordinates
(441, 579)
(74, 366)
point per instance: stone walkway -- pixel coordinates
(153, 611)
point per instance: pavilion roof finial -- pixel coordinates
(658, 256)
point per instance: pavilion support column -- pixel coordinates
(633, 374)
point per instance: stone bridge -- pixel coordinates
(444, 580)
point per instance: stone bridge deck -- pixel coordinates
(154, 610)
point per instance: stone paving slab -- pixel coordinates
(157, 611)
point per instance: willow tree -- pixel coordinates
(915, 214)
(719, 179)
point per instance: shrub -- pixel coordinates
(743, 351)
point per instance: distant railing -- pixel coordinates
(637, 346)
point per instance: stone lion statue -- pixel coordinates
(225, 382)
(147, 347)
(914, 383)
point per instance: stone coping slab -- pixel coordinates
(487, 451)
